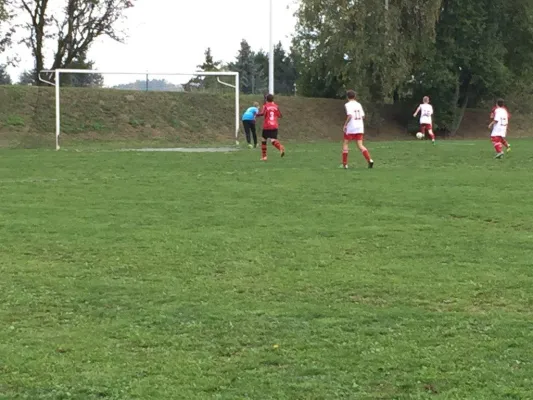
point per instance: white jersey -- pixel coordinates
(502, 119)
(426, 111)
(356, 123)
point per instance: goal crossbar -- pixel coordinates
(57, 73)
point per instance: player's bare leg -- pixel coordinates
(365, 153)
(263, 150)
(345, 149)
(431, 135)
(279, 146)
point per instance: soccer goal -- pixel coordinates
(192, 108)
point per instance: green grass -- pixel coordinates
(213, 276)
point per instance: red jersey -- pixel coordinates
(271, 113)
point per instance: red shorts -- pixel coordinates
(497, 139)
(353, 136)
(424, 127)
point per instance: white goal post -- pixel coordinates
(57, 73)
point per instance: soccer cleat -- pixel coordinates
(282, 151)
(434, 143)
(263, 158)
(250, 146)
(371, 164)
(508, 148)
(499, 155)
(342, 166)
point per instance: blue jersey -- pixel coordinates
(249, 114)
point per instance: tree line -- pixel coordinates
(253, 71)
(460, 53)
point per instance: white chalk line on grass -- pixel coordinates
(185, 149)
(29, 180)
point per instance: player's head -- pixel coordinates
(500, 103)
(256, 104)
(425, 100)
(351, 95)
(269, 98)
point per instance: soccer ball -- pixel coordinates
(419, 135)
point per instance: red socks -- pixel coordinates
(498, 147)
(432, 136)
(504, 142)
(345, 157)
(276, 144)
(364, 151)
(263, 149)
(366, 154)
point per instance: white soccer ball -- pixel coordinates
(419, 135)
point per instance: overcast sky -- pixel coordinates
(172, 35)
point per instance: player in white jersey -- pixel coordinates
(426, 122)
(354, 129)
(498, 125)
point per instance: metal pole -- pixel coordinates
(386, 4)
(58, 107)
(237, 108)
(271, 55)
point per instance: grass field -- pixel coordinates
(213, 276)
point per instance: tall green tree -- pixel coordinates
(473, 58)
(27, 77)
(244, 64)
(82, 80)
(205, 82)
(360, 44)
(284, 71)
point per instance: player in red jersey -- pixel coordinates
(492, 114)
(271, 113)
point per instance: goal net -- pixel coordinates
(143, 109)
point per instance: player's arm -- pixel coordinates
(416, 112)
(262, 112)
(348, 119)
(279, 114)
(493, 122)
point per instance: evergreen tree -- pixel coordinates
(82, 80)
(5, 79)
(27, 78)
(205, 82)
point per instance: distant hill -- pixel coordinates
(159, 85)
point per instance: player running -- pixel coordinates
(354, 129)
(492, 113)
(498, 125)
(426, 112)
(271, 113)
(248, 123)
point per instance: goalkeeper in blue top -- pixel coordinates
(248, 122)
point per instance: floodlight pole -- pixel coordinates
(271, 54)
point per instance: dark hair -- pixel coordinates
(270, 98)
(351, 94)
(500, 102)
